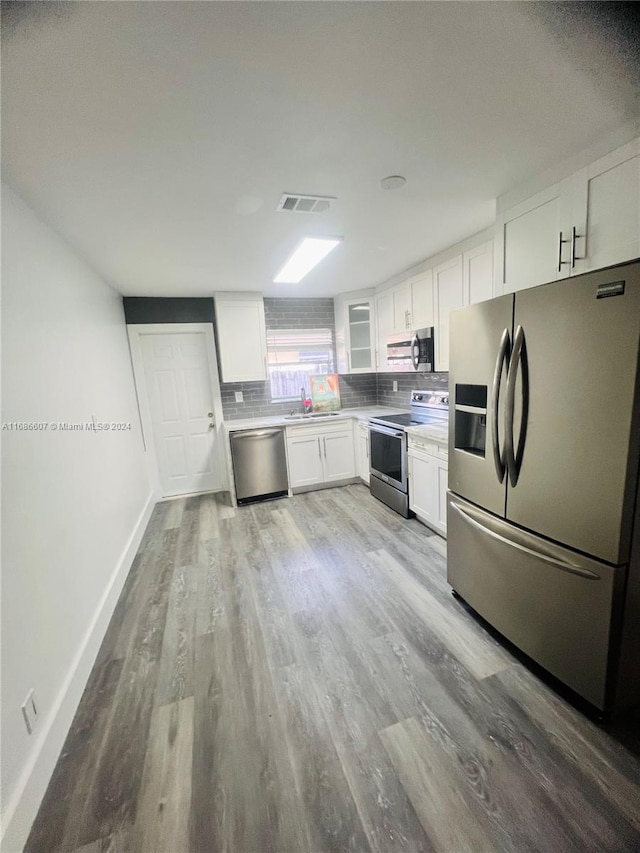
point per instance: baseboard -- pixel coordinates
(32, 785)
(333, 484)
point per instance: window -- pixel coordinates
(294, 355)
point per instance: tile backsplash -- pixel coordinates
(356, 390)
(279, 313)
(290, 313)
(406, 383)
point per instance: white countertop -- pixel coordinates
(438, 432)
(361, 414)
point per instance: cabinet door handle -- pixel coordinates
(560, 261)
(319, 450)
(575, 237)
(324, 441)
(409, 320)
(349, 362)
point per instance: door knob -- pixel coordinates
(209, 414)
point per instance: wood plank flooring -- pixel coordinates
(296, 677)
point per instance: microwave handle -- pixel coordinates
(415, 351)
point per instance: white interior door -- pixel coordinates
(180, 390)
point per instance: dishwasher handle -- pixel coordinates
(263, 433)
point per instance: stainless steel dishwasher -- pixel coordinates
(259, 464)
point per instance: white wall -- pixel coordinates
(74, 504)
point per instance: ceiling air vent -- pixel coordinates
(297, 203)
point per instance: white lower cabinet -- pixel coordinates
(362, 441)
(319, 455)
(305, 460)
(428, 472)
(338, 457)
(422, 494)
(443, 480)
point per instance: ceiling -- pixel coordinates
(158, 137)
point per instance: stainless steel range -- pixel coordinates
(388, 446)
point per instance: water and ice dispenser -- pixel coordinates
(470, 414)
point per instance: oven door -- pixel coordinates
(388, 455)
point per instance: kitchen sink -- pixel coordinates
(310, 415)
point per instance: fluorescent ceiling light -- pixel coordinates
(309, 253)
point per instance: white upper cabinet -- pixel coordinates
(413, 303)
(477, 273)
(607, 210)
(528, 247)
(587, 221)
(427, 298)
(384, 326)
(422, 300)
(355, 334)
(402, 307)
(448, 294)
(241, 335)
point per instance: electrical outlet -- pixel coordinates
(395, 384)
(239, 397)
(30, 710)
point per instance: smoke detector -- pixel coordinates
(298, 203)
(393, 182)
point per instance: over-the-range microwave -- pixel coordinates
(411, 352)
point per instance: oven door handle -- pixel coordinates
(386, 430)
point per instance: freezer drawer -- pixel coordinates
(555, 605)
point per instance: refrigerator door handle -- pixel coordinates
(498, 455)
(558, 562)
(518, 361)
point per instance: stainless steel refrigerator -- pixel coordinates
(543, 516)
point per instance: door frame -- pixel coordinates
(136, 332)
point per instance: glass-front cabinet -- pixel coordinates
(359, 354)
(355, 346)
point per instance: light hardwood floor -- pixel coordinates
(296, 676)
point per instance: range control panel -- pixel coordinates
(430, 399)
